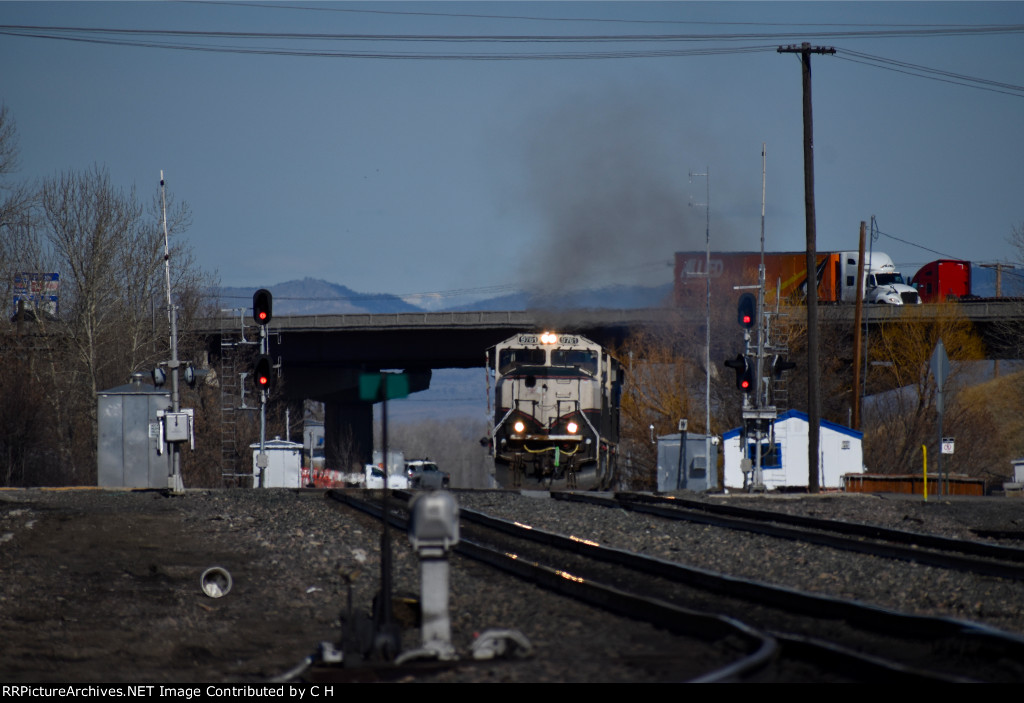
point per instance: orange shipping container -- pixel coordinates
(786, 268)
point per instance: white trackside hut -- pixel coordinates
(784, 461)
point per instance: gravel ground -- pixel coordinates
(104, 585)
(888, 583)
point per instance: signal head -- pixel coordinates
(781, 366)
(747, 311)
(744, 373)
(262, 306)
(262, 372)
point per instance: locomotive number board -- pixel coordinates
(535, 339)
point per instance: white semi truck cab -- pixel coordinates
(883, 284)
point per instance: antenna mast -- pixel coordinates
(174, 478)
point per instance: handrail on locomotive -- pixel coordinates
(556, 411)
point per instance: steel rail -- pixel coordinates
(961, 555)
(759, 650)
(995, 551)
(907, 632)
(936, 633)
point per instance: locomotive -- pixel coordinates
(556, 411)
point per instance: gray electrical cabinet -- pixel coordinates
(128, 453)
(699, 472)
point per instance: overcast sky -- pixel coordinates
(419, 162)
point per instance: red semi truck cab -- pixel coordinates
(944, 279)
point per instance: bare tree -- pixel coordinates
(112, 320)
(903, 415)
(16, 209)
(989, 428)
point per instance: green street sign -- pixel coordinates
(375, 387)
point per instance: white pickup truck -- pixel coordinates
(426, 474)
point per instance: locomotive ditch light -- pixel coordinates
(572, 427)
(519, 426)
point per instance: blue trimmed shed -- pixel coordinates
(785, 461)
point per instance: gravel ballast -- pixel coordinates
(104, 585)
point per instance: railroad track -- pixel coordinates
(783, 631)
(710, 648)
(932, 550)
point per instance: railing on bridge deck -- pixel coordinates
(976, 311)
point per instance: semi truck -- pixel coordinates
(835, 275)
(945, 279)
(955, 279)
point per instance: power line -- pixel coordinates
(122, 38)
(192, 40)
(939, 253)
(64, 32)
(930, 73)
(539, 18)
(915, 244)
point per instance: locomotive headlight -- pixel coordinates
(572, 427)
(519, 426)
(549, 338)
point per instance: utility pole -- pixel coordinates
(999, 294)
(813, 371)
(707, 320)
(857, 321)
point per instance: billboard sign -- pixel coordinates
(40, 291)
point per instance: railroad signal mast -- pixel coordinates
(263, 369)
(759, 409)
(759, 393)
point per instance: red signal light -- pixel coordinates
(746, 310)
(262, 372)
(262, 306)
(744, 373)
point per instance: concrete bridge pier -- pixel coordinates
(348, 422)
(348, 432)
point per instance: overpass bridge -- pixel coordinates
(322, 356)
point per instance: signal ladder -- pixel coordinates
(234, 354)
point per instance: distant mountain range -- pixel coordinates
(311, 296)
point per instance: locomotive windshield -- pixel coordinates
(583, 359)
(510, 358)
